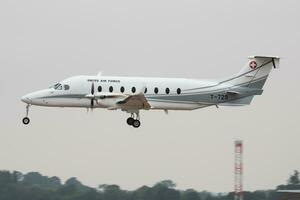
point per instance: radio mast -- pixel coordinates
(238, 170)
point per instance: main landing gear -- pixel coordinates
(134, 121)
(26, 120)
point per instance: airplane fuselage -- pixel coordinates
(132, 94)
(161, 93)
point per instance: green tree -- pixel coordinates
(34, 186)
(113, 192)
(36, 179)
(164, 191)
(190, 194)
(73, 187)
(6, 178)
(167, 183)
(18, 176)
(294, 178)
(293, 182)
(142, 193)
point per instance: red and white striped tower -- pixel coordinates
(238, 170)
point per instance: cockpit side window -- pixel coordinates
(66, 87)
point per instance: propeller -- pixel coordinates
(92, 94)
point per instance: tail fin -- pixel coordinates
(255, 73)
(252, 77)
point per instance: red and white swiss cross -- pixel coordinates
(253, 64)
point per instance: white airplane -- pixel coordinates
(132, 94)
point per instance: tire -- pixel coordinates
(136, 123)
(26, 120)
(130, 121)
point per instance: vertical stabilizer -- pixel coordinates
(251, 79)
(255, 72)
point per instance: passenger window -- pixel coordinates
(156, 90)
(167, 90)
(66, 87)
(178, 91)
(122, 89)
(133, 89)
(111, 89)
(99, 89)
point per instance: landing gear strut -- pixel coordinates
(26, 120)
(134, 120)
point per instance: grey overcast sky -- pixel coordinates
(42, 42)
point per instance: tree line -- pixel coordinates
(34, 186)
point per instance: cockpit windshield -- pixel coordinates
(59, 86)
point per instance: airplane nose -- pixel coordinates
(26, 99)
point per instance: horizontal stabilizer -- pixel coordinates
(238, 102)
(241, 96)
(244, 91)
(275, 59)
(233, 93)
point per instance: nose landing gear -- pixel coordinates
(134, 121)
(26, 120)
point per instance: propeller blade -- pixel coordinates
(93, 89)
(92, 103)
(93, 97)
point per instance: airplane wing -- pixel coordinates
(127, 102)
(137, 101)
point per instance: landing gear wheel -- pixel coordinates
(130, 121)
(26, 120)
(136, 123)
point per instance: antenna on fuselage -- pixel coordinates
(99, 74)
